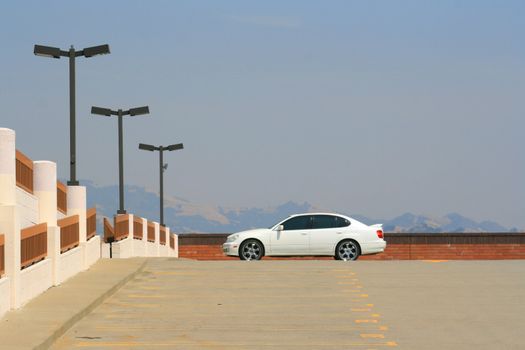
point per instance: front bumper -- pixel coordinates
(231, 249)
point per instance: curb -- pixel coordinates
(77, 317)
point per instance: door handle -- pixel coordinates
(339, 233)
(304, 233)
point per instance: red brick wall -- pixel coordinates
(392, 252)
(417, 246)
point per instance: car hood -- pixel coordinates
(252, 232)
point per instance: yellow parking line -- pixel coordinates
(366, 321)
(381, 336)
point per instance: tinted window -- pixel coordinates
(298, 223)
(324, 221)
(341, 222)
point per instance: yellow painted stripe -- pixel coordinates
(381, 336)
(366, 321)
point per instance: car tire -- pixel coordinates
(251, 249)
(347, 250)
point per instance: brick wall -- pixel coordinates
(400, 246)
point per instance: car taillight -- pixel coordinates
(379, 233)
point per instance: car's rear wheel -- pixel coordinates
(251, 249)
(347, 250)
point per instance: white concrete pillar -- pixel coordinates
(9, 215)
(157, 238)
(7, 167)
(145, 236)
(76, 205)
(45, 189)
(176, 245)
(168, 242)
(131, 228)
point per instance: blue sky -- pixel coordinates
(371, 107)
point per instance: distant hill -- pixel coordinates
(182, 216)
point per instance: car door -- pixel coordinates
(294, 238)
(326, 231)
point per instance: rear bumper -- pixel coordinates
(373, 247)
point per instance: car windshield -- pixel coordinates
(273, 225)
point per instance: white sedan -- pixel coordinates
(308, 234)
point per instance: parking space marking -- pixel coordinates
(372, 335)
(190, 307)
(366, 321)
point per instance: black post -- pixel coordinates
(72, 121)
(161, 164)
(121, 164)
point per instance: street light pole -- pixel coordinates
(54, 52)
(162, 167)
(72, 120)
(161, 182)
(120, 114)
(120, 163)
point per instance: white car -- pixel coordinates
(308, 234)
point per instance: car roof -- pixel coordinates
(318, 213)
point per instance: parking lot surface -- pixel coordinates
(183, 304)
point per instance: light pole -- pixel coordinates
(54, 52)
(120, 113)
(162, 167)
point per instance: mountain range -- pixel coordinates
(182, 216)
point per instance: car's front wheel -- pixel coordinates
(251, 249)
(347, 250)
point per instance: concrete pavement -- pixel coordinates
(44, 319)
(184, 304)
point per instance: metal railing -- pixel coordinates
(137, 227)
(61, 198)
(24, 172)
(91, 223)
(121, 227)
(69, 233)
(33, 244)
(162, 237)
(2, 255)
(151, 232)
(109, 232)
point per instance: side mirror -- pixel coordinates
(280, 228)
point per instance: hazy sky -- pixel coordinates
(371, 107)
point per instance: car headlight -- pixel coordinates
(232, 238)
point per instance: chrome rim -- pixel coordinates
(347, 251)
(251, 251)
